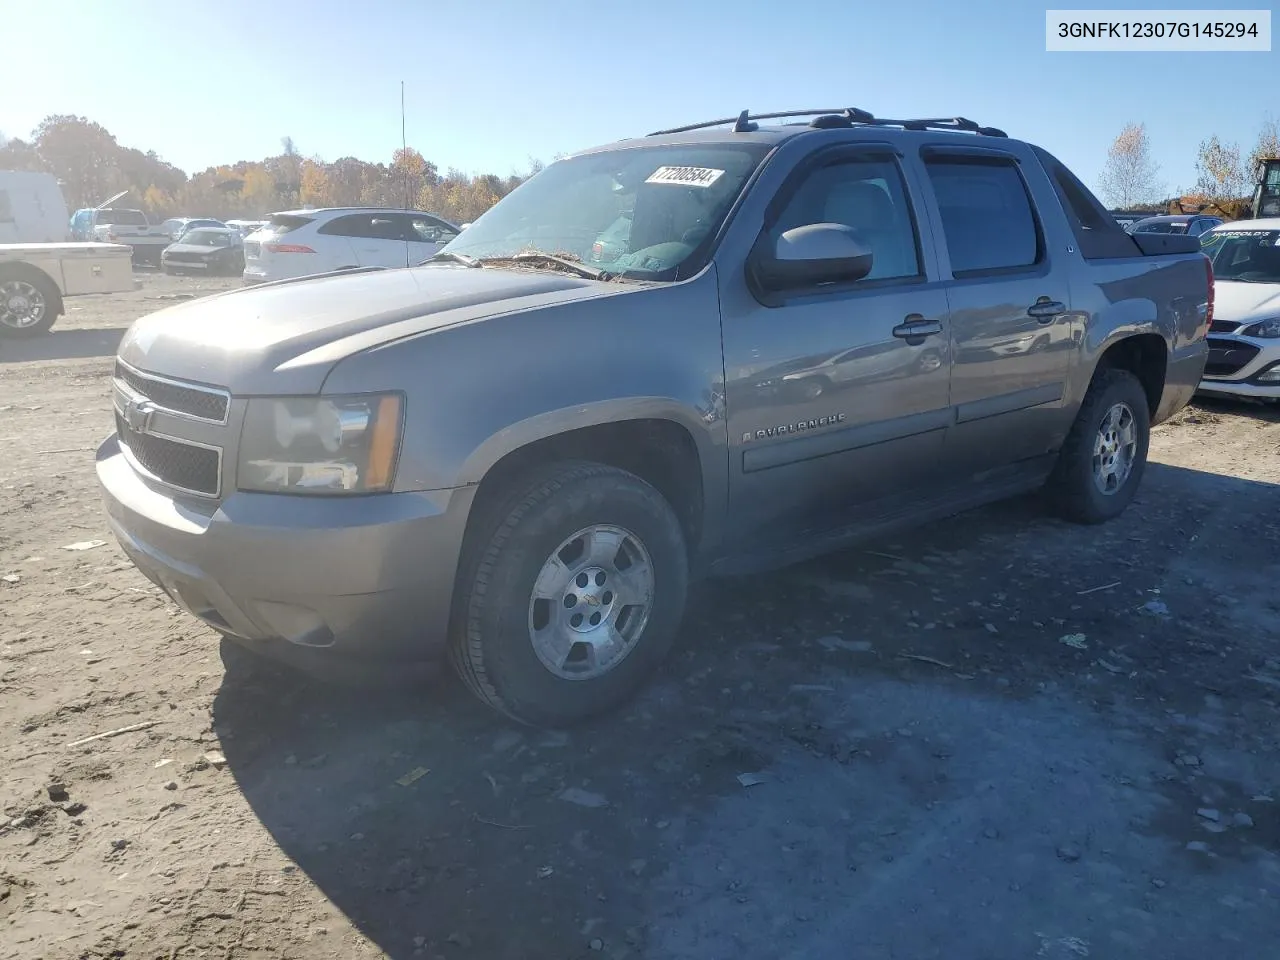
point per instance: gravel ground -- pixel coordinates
(1002, 737)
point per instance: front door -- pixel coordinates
(837, 397)
(1011, 327)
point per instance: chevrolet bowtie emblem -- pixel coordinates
(137, 414)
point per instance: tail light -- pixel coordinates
(287, 248)
(1208, 269)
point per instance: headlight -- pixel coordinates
(1266, 330)
(320, 445)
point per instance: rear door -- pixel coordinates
(375, 239)
(1010, 299)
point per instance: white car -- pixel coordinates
(298, 243)
(1244, 339)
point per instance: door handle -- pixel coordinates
(1045, 309)
(915, 328)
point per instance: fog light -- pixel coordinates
(1271, 375)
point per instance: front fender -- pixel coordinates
(551, 423)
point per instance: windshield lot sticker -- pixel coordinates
(686, 176)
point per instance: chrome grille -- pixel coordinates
(188, 400)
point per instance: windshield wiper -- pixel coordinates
(448, 256)
(550, 259)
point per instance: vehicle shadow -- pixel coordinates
(62, 345)
(438, 827)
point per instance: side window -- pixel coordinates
(1097, 234)
(986, 215)
(362, 226)
(430, 230)
(6, 207)
(867, 195)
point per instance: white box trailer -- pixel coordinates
(32, 209)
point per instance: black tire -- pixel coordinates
(491, 647)
(52, 303)
(1072, 487)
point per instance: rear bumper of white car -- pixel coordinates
(1242, 367)
(284, 267)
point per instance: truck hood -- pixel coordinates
(283, 338)
(1239, 302)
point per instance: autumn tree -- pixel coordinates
(314, 190)
(83, 155)
(1220, 173)
(93, 165)
(1129, 176)
(20, 155)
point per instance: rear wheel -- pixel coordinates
(1100, 466)
(574, 594)
(28, 305)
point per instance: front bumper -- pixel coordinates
(369, 576)
(1244, 381)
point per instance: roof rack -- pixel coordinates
(841, 117)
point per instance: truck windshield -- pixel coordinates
(1250, 256)
(637, 212)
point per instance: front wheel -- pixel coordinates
(574, 596)
(1101, 464)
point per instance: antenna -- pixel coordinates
(404, 159)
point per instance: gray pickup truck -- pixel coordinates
(710, 350)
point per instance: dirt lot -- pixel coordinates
(1005, 737)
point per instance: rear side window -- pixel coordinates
(6, 207)
(367, 226)
(1097, 233)
(987, 216)
(282, 223)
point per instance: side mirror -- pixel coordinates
(814, 254)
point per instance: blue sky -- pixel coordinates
(491, 84)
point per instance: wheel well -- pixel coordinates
(1146, 357)
(660, 452)
(25, 271)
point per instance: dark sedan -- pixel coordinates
(209, 250)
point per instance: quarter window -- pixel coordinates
(986, 215)
(867, 195)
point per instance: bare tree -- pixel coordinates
(1221, 174)
(1130, 175)
(1267, 147)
